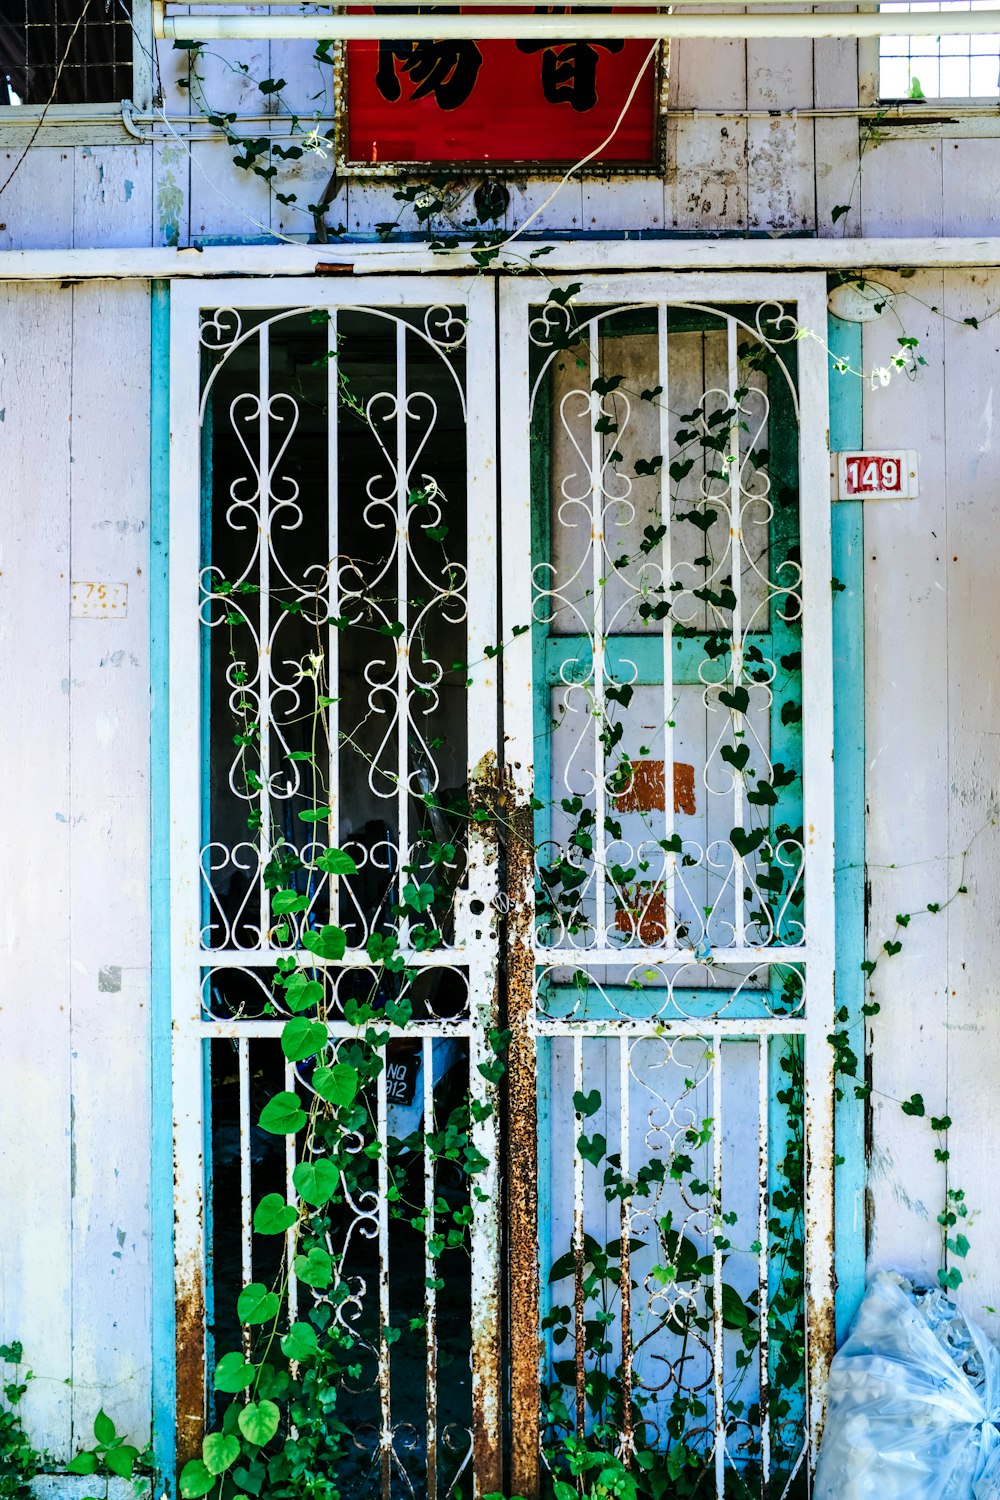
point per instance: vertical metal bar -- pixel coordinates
(332, 709)
(599, 651)
(430, 1271)
(579, 1299)
(293, 1286)
(763, 1258)
(246, 1226)
(384, 1375)
(480, 932)
(666, 556)
(718, 1347)
(403, 642)
(736, 569)
(627, 1438)
(264, 615)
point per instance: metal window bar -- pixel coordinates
(948, 65)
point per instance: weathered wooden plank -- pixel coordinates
(36, 206)
(906, 694)
(973, 710)
(36, 1166)
(109, 864)
(781, 183)
(971, 187)
(901, 187)
(707, 158)
(835, 84)
(171, 165)
(618, 203)
(112, 190)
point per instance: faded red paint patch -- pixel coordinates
(644, 915)
(646, 791)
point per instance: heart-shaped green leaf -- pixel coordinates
(302, 993)
(736, 755)
(301, 1038)
(316, 1181)
(315, 815)
(219, 1451)
(329, 943)
(315, 1268)
(336, 862)
(337, 1084)
(256, 1304)
(737, 698)
(300, 1342)
(286, 901)
(283, 1115)
(587, 1104)
(746, 840)
(592, 1148)
(273, 1215)
(258, 1421)
(233, 1373)
(195, 1480)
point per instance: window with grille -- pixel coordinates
(939, 67)
(65, 51)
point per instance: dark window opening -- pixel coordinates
(51, 53)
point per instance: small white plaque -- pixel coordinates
(99, 601)
(875, 474)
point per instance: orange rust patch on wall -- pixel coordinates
(646, 791)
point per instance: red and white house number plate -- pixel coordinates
(873, 474)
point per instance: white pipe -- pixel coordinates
(492, 27)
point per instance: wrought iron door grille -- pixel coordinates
(604, 921)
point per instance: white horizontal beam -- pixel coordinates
(570, 257)
(501, 7)
(618, 25)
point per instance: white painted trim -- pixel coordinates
(569, 256)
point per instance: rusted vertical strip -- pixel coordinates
(190, 1365)
(579, 1295)
(627, 1441)
(484, 1093)
(430, 1270)
(627, 1437)
(525, 1393)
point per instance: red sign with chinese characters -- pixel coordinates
(498, 103)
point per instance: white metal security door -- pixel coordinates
(569, 933)
(334, 717)
(673, 979)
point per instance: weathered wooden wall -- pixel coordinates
(74, 793)
(74, 809)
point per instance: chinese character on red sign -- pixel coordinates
(454, 102)
(877, 475)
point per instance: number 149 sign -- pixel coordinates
(876, 474)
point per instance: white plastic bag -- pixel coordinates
(914, 1396)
